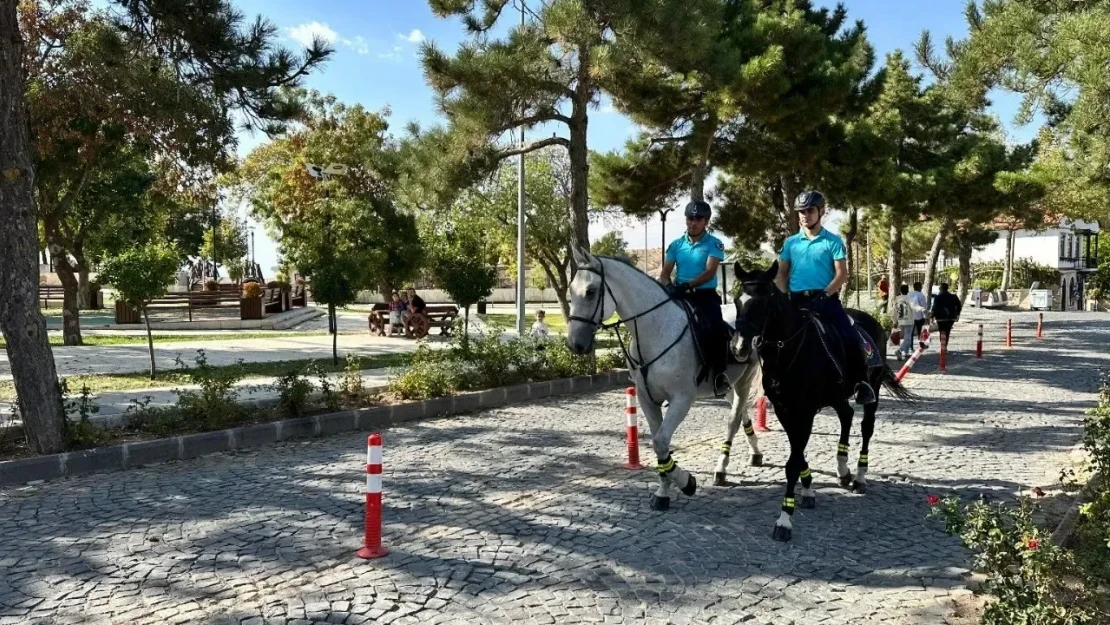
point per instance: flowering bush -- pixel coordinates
(1034, 581)
(252, 290)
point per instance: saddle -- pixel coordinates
(836, 347)
(709, 335)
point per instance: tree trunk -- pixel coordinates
(71, 312)
(849, 238)
(787, 223)
(84, 295)
(559, 284)
(894, 260)
(701, 144)
(29, 354)
(466, 329)
(1008, 262)
(931, 261)
(579, 150)
(149, 342)
(965, 269)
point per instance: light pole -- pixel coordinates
(663, 220)
(215, 256)
(520, 285)
(325, 174)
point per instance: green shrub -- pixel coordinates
(351, 387)
(216, 404)
(1033, 581)
(81, 433)
(294, 391)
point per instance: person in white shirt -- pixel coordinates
(917, 301)
(902, 314)
(540, 333)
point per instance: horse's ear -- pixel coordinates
(739, 272)
(582, 258)
(772, 271)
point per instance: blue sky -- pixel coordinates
(376, 64)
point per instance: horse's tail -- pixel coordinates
(894, 387)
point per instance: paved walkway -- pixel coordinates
(523, 515)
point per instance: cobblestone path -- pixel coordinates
(524, 515)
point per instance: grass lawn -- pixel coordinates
(140, 339)
(555, 321)
(138, 381)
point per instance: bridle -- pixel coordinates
(758, 339)
(595, 320)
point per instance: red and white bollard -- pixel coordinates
(1009, 333)
(979, 343)
(633, 430)
(761, 414)
(910, 363)
(943, 366)
(1040, 325)
(372, 541)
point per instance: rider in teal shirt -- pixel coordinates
(812, 268)
(697, 255)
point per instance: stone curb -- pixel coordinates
(1061, 536)
(131, 455)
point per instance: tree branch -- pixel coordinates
(536, 145)
(655, 140)
(532, 119)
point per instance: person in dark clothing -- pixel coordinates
(416, 303)
(946, 311)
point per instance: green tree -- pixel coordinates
(274, 179)
(459, 268)
(143, 61)
(543, 73)
(1054, 53)
(231, 244)
(139, 275)
(336, 245)
(612, 244)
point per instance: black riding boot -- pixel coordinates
(864, 393)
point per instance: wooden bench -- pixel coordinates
(441, 316)
(299, 297)
(272, 300)
(193, 300)
(378, 319)
(47, 293)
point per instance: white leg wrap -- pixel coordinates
(861, 474)
(784, 521)
(808, 492)
(722, 464)
(842, 466)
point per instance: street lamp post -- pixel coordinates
(663, 220)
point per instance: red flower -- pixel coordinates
(933, 500)
(1032, 544)
(1037, 491)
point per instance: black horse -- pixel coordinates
(800, 377)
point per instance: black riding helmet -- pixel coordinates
(809, 199)
(699, 208)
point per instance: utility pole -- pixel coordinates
(520, 283)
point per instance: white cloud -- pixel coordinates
(413, 37)
(358, 44)
(304, 33)
(392, 55)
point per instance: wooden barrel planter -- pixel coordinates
(127, 314)
(250, 308)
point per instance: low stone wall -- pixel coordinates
(131, 455)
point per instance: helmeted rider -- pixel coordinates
(697, 253)
(812, 268)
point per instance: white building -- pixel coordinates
(1070, 246)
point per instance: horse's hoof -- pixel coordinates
(719, 479)
(859, 488)
(691, 487)
(757, 460)
(846, 481)
(781, 534)
(660, 503)
(808, 502)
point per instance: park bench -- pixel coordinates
(378, 320)
(272, 302)
(441, 316)
(300, 296)
(47, 293)
(193, 300)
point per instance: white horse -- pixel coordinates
(662, 357)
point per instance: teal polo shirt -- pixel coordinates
(812, 260)
(691, 258)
